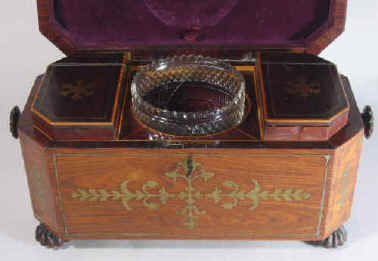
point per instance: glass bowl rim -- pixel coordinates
(188, 60)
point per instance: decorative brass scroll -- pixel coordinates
(190, 170)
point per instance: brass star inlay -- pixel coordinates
(303, 87)
(78, 90)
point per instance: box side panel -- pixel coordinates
(343, 179)
(196, 194)
(41, 181)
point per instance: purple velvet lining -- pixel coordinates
(104, 24)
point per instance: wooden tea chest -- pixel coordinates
(286, 172)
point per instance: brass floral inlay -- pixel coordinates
(77, 91)
(190, 171)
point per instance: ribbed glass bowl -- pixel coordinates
(188, 96)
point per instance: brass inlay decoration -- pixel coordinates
(125, 195)
(190, 170)
(40, 189)
(77, 91)
(302, 87)
(256, 194)
(345, 183)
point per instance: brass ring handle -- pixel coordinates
(13, 121)
(368, 120)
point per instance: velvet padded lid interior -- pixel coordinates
(122, 24)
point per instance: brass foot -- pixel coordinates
(47, 238)
(335, 240)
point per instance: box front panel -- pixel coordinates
(181, 195)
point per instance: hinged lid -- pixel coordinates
(98, 25)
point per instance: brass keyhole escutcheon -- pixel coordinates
(189, 164)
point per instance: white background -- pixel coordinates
(24, 54)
